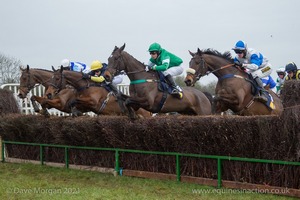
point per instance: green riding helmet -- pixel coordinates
(155, 47)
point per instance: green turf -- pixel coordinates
(28, 181)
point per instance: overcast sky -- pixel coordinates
(43, 32)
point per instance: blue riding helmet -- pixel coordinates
(240, 45)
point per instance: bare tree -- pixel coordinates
(9, 69)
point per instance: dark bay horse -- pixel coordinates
(31, 77)
(90, 96)
(144, 91)
(233, 90)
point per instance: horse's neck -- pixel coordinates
(136, 70)
(221, 69)
(42, 77)
(73, 79)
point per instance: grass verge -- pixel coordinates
(29, 181)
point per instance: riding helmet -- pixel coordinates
(291, 67)
(96, 65)
(65, 63)
(155, 47)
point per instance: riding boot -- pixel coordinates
(262, 94)
(115, 90)
(176, 90)
(119, 97)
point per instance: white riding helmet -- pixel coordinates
(281, 70)
(65, 63)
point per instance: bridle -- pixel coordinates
(59, 86)
(29, 86)
(62, 83)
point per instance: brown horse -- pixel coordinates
(31, 77)
(91, 96)
(144, 90)
(233, 90)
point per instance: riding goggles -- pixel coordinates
(238, 51)
(153, 52)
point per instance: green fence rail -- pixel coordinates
(177, 156)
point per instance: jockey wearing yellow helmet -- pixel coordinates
(96, 75)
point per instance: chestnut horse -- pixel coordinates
(233, 90)
(31, 77)
(144, 92)
(91, 96)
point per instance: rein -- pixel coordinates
(203, 63)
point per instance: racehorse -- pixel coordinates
(91, 96)
(31, 77)
(144, 90)
(233, 90)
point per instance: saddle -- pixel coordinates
(256, 90)
(163, 86)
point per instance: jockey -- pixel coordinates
(255, 64)
(292, 71)
(168, 63)
(280, 79)
(75, 66)
(268, 82)
(96, 75)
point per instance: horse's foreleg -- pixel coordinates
(34, 105)
(131, 111)
(75, 112)
(40, 100)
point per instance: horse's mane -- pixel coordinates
(226, 55)
(46, 70)
(126, 53)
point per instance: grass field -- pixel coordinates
(28, 181)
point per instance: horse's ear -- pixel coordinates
(192, 54)
(199, 52)
(122, 47)
(61, 68)
(53, 68)
(27, 67)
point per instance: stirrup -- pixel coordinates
(177, 94)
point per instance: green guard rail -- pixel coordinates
(177, 156)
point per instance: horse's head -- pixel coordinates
(27, 82)
(58, 83)
(115, 64)
(197, 68)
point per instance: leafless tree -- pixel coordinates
(9, 69)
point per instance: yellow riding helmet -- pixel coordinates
(96, 65)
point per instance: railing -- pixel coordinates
(177, 157)
(26, 107)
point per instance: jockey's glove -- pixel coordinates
(150, 68)
(86, 76)
(98, 79)
(237, 63)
